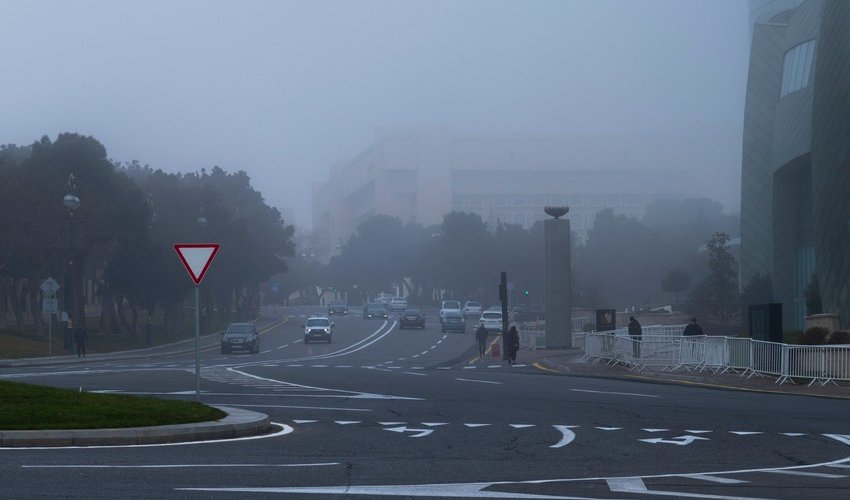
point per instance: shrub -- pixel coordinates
(816, 335)
(840, 337)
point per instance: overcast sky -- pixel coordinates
(282, 89)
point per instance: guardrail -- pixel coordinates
(746, 357)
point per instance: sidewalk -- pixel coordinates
(569, 361)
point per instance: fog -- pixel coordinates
(284, 89)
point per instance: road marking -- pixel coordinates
(477, 425)
(745, 433)
(414, 373)
(655, 430)
(285, 345)
(419, 432)
(343, 366)
(543, 368)
(434, 424)
(318, 366)
(169, 466)
(469, 367)
(696, 432)
(680, 440)
(494, 366)
(609, 428)
(346, 394)
(715, 479)
(444, 367)
(392, 423)
(807, 474)
(617, 393)
(305, 421)
(518, 366)
(626, 485)
(294, 366)
(417, 367)
(521, 426)
(479, 381)
(266, 352)
(346, 422)
(567, 435)
(423, 353)
(793, 434)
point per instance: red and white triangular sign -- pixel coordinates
(196, 258)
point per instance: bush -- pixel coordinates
(840, 337)
(816, 335)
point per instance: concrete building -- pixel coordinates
(421, 175)
(796, 148)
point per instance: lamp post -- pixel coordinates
(72, 203)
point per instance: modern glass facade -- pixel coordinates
(797, 67)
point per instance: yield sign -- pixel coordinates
(196, 258)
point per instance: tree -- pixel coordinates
(814, 304)
(720, 285)
(676, 281)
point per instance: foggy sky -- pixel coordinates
(282, 89)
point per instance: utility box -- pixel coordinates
(765, 322)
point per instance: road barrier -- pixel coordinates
(658, 349)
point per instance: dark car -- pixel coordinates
(375, 310)
(318, 327)
(241, 336)
(453, 321)
(337, 307)
(411, 318)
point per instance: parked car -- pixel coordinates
(398, 304)
(318, 327)
(411, 318)
(337, 307)
(449, 305)
(492, 321)
(241, 336)
(472, 309)
(374, 310)
(452, 321)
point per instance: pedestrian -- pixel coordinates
(635, 332)
(481, 337)
(80, 337)
(692, 329)
(512, 345)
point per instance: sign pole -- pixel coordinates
(50, 334)
(197, 343)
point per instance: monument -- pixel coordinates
(558, 307)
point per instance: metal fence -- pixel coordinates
(746, 357)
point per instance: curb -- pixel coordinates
(237, 423)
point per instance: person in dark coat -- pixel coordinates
(692, 329)
(481, 337)
(635, 332)
(513, 345)
(80, 337)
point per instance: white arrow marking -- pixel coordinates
(682, 440)
(745, 433)
(844, 438)
(568, 435)
(656, 430)
(403, 429)
(476, 425)
(521, 426)
(346, 422)
(609, 428)
(304, 421)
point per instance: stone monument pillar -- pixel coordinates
(558, 308)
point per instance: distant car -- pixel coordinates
(491, 321)
(374, 310)
(337, 307)
(411, 318)
(452, 321)
(472, 309)
(398, 304)
(449, 305)
(241, 336)
(318, 327)
(384, 298)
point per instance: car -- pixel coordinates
(398, 304)
(337, 307)
(472, 309)
(449, 305)
(411, 318)
(383, 298)
(374, 310)
(491, 321)
(240, 336)
(318, 327)
(453, 321)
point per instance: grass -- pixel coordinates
(31, 407)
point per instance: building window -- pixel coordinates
(796, 68)
(457, 200)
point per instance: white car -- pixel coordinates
(449, 305)
(398, 304)
(472, 308)
(492, 321)
(318, 327)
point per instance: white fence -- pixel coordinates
(747, 357)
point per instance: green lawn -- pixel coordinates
(31, 407)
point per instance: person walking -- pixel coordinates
(80, 337)
(692, 329)
(481, 337)
(513, 345)
(635, 332)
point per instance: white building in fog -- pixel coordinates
(420, 176)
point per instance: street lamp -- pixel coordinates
(72, 202)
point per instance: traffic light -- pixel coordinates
(525, 292)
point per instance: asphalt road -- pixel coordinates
(413, 413)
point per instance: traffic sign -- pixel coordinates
(50, 306)
(196, 258)
(49, 286)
